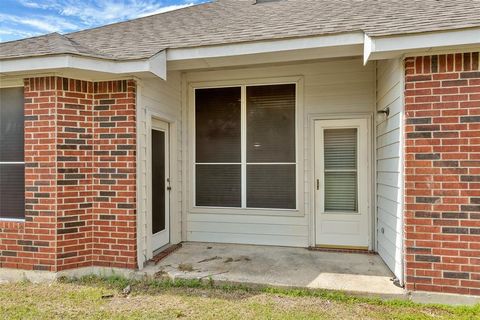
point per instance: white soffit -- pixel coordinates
(377, 48)
(156, 65)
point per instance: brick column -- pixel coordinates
(74, 173)
(442, 173)
(80, 177)
(114, 181)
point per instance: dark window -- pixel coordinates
(271, 167)
(267, 167)
(158, 181)
(218, 185)
(12, 166)
(218, 125)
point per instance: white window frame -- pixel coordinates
(299, 143)
(15, 85)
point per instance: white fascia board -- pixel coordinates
(156, 64)
(392, 46)
(248, 48)
(368, 47)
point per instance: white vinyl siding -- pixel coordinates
(344, 87)
(389, 164)
(162, 99)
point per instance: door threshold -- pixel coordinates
(164, 251)
(345, 249)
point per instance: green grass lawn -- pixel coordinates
(95, 298)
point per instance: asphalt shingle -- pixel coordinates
(234, 21)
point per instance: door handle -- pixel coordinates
(318, 184)
(169, 188)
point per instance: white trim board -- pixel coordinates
(156, 64)
(299, 211)
(387, 47)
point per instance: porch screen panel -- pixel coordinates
(12, 166)
(340, 169)
(218, 147)
(271, 151)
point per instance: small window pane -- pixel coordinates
(218, 125)
(11, 125)
(271, 186)
(158, 181)
(271, 123)
(218, 185)
(341, 191)
(340, 149)
(340, 160)
(12, 191)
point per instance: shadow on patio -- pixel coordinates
(279, 266)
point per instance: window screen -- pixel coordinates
(12, 167)
(271, 123)
(217, 121)
(218, 147)
(267, 168)
(340, 161)
(271, 168)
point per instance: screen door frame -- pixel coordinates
(161, 238)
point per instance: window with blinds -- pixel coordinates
(218, 147)
(245, 150)
(340, 170)
(12, 165)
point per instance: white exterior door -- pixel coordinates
(342, 183)
(159, 223)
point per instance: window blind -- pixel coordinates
(249, 163)
(340, 169)
(12, 166)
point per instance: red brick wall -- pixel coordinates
(114, 181)
(31, 244)
(442, 173)
(74, 173)
(80, 177)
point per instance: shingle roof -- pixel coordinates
(52, 43)
(231, 21)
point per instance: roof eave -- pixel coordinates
(387, 47)
(266, 51)
(155, 65)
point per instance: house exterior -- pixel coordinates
(331, 124)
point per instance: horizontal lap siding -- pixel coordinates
(389, 153)
(339, 87)
(164, 98)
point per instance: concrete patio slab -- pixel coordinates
(280, 266)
